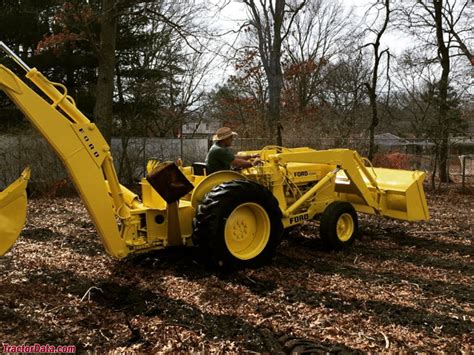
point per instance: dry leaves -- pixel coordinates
(403, 286)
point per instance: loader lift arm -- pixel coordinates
(83, 151)
(385, 192)
(345, 159)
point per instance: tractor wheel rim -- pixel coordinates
(345, 227)
(247, 231)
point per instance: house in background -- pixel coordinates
(419, 146)
(200, 129)
(388, 142)
(462, 145)
(205, 128)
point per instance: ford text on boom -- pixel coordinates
(301, 173)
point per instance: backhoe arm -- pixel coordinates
(80, 146)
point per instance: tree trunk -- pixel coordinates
(275, 84)
(103, 111)
(435, 167)
(443, 160)
(372, 87)
(374, 123)
(275, 67)
(269, 26)
(443, 91)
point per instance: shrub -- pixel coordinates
(392, 161)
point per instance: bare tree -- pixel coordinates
(190, 103)
(412, 78)
(343, 97)
(166, 21)
(320, 32)
(243, 98)
(460, 27)
(438, 24)
(159, 78)
(271, 21)
(106, 55)
(378, 54)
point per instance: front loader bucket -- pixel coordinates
(404, 197)
(400, 193)
(13, 212)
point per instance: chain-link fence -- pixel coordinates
(130, 158)
(131, 155)
(391, 151)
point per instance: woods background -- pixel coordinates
(392, 79)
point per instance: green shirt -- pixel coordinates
(218, 158)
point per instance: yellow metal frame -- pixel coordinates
(83, 150)
(338, 175)
(204, 186)
(13, 211)
(304, 182)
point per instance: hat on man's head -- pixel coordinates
(223, 133)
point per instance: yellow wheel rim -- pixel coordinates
(345, 227)
(247, 231)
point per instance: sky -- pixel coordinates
(234, 14)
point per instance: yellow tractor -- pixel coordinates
(235, 218)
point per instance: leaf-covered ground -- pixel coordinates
(403, 286)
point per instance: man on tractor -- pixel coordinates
(220, 157)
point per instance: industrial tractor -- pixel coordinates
(236, 219)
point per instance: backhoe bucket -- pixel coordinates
(13, 212)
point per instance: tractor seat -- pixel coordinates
(199, 168)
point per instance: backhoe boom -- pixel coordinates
(82, 149)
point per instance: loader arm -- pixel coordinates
(387, 192)
(82, 149)
(346, 159)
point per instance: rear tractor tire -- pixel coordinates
(238, 225)
(339, 225)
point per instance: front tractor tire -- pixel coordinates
(238, 225)
(339, 225)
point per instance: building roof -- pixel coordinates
(389, 139)
(462, 140)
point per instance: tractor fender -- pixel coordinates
(210, 181)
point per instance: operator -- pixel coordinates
(220, 157)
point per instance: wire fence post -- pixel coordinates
(144, 156)
(448, 161)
